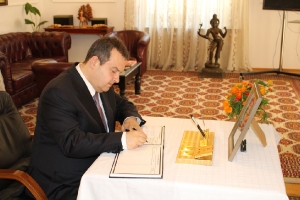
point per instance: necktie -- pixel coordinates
(96, 100)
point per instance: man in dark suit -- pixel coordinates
(70, 133)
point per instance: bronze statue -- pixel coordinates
(85, 14)
(216, 43)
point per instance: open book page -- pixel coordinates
(154, 134)
(143, 162)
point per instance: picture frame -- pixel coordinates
(3, 2)
(244, 121)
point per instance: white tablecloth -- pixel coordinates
(253, 175)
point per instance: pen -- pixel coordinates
(198, 126)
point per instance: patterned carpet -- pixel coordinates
(175, 94)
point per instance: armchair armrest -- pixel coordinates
(144, 41)
(45, 71)
(142, 46)
(26, 180)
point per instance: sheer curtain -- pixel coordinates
(173, 26)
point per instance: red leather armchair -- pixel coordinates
(44, 71)
(17, 53)
(15, 153)
(136, 43)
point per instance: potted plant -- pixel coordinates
(31, 10)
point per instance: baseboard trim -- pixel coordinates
(268, 69)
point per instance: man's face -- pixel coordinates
(105, 75)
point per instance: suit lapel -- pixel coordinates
(84, 96)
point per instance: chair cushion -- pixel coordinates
(14, 191)
(22, 79)
(15, 139)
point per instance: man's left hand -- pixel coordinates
(131, 124)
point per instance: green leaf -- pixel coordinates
(265, 117)
(244, 96)
(264, 101)
(261, 82)
(41, 23)
(27, 21)
(232, 98)
(31, 9)
(35, 11)
(27, 8)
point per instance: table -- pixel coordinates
(128, 75)
(255, 174)
(79, 30)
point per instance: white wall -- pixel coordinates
(12, 16)
(265, 38)
(265, 28)
(81, 43)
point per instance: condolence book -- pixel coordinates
(143, 162)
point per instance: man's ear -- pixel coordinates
(94, 60)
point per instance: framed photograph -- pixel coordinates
(244, 120)
(3, 2)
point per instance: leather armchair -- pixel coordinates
(15, 152)
(19, 50)
(45, 70)
(136, 43)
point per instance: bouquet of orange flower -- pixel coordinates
(238, 96)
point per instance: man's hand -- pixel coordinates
(135, 136)
(130, 124)
(135, 139)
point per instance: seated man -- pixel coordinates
(76, 119)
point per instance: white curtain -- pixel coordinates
(173, 26)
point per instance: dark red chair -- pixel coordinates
(136, 43)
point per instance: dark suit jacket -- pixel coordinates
(70, 135)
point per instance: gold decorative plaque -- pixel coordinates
(194, 149)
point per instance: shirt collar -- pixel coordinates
(87, 83)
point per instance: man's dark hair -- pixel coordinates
(103, 46)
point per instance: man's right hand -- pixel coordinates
(135, 138)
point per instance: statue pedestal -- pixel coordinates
(212, 72)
